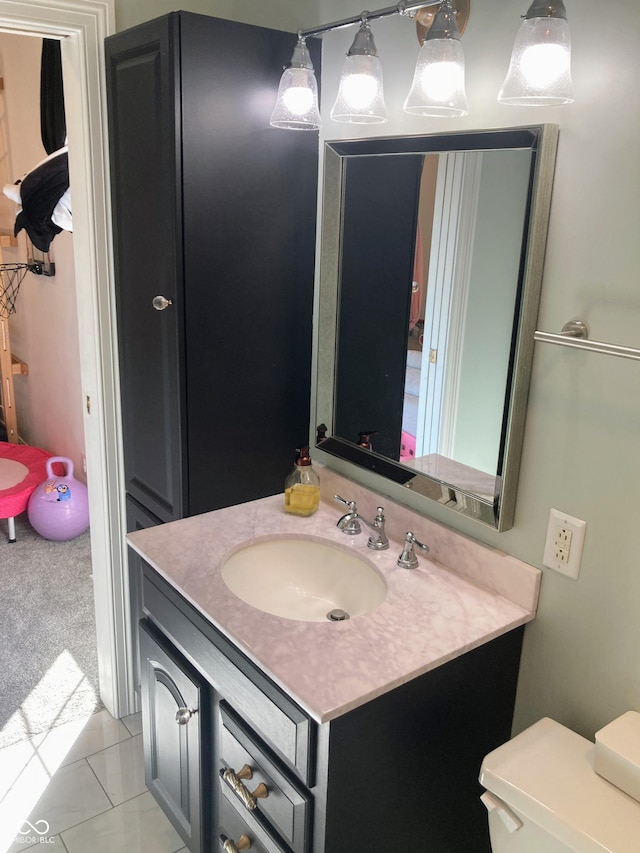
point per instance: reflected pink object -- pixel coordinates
(59, 507)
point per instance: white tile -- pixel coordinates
(13, 760)
(137, 826)
(73, 795)
(120, 769)
(22, 797)
(72, 741)
(134, 723)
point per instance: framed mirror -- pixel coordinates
(431, 265)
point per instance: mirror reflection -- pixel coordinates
(420, 327)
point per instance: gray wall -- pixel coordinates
(581, 446)
(582, 439)
(502, 202)
(278, 14)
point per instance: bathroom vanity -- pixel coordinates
(288, 735)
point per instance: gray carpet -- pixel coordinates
(48, 657)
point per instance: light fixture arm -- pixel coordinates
(363, 44)
(546, 9)
(402, 8)
(444, 24)
(301, 57)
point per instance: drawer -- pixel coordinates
(285, 806)
(278, 720)
(234, 833)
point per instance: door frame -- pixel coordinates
(455, 215)
(81, 26)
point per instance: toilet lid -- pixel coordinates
(546, 775)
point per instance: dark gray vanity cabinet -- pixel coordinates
(398, 772)
(214, 242)
(233, 716)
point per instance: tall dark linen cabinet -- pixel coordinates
(214, 211)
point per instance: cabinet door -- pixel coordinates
(142, 79)
(173, 726)
(249, 204)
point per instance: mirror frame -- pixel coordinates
(398, 481)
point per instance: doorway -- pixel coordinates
(50, 673)
(81, 30)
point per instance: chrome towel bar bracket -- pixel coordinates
(575, 334)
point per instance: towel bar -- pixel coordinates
(574, 334)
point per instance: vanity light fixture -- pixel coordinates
(540, 69)
(539, 73)
(297, 102)
(438, 80)
(360, 96)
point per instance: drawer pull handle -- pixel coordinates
(183, 715)
(249, 800)
(243, 843)
(245, 772)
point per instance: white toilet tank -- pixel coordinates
(544, 796)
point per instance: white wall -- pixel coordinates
(44, 329)
(582, 441)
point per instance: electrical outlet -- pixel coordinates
(84, 463)
(563, 537)
(561, 554)
(563, 547)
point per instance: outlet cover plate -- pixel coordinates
(559, 555)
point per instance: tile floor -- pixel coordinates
(80, 788)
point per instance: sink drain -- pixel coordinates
(337, 615)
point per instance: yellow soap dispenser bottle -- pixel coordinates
(302, 486)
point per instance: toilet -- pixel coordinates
(544, 792)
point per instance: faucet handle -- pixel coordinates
(350, 504)
(408, 559)
(348, 523)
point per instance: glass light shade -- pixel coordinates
(438, 82)
(297, 102)
(540, 68)
(360, 96)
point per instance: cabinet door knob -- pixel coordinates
(183, 715)
(161, 302)
(243, 843)
(249, 799)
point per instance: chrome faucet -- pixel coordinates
(351, 522)
(408, 559)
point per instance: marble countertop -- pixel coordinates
(431, 614)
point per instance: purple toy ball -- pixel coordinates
(59, 507)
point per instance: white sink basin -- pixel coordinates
(304, 579)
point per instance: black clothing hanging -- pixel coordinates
(41, 190)
(52, 119)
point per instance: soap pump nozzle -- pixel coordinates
(364, 439)
(303, 457)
